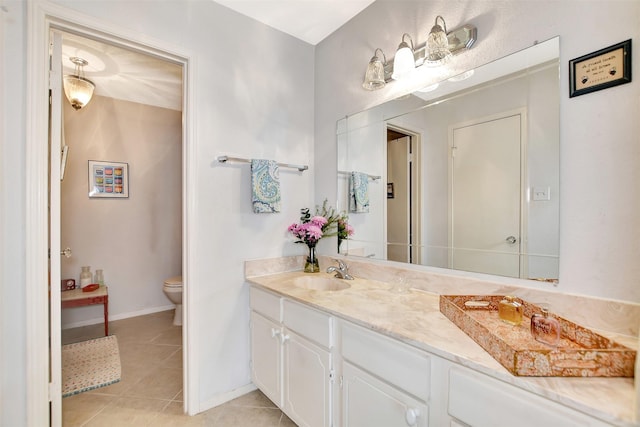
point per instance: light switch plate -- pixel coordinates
(541, 194)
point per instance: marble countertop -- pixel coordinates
(415, 318)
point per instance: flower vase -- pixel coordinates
(312, 265)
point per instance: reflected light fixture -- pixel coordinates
(437, 52)
(374, 76)
(77, 88)
(404, 62)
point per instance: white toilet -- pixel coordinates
(173, 290)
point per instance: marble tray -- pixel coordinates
(581, 352)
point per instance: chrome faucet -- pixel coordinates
(342, 271)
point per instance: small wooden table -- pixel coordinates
(77, 298)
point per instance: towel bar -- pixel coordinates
(371, 177)
(224, 159)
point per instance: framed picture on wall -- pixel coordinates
(602, 69)
(108, 179)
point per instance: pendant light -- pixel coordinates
(374, 77)
(437, 52)
(404, 62)
(77, 88)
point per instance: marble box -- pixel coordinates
(581, 352)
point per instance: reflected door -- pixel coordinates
(485, 196)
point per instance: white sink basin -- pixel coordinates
(315, 283)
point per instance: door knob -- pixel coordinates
(511, 240)
(66, 253)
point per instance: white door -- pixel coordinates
(55, 134)
(266, 361)
(485, 196)
(398, 199)
(307, 386)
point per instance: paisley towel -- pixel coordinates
(359, 192)
(265, 186)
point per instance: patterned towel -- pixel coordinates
(265, 186)
(359, 192)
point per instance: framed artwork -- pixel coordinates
(108, 179)
(602, 69)
(390, 193)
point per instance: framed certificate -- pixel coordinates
(605, 68)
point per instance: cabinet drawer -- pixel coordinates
(482, 401)
(265, 303)
(310, 323)
(407, 368)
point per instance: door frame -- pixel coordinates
(41, 18)
(415, 177)
(524, 217)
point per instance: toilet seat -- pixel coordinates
(173, 282)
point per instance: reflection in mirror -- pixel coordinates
(469, 171)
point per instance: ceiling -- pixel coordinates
(132, 76)
(307, 20)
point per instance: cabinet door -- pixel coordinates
(367, 401)
(266, 358)
(307, 385)
(481, 401)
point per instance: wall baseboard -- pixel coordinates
(100, 320)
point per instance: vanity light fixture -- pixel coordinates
(438, 51)
(374, 77)
(77, 88)
(404, 61)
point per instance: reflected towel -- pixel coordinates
(359, 192)
(265, 186)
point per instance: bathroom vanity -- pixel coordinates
(331, 353)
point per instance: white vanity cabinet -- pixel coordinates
(384, 382)
(291, 357)
(476, 400)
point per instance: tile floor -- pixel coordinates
(150, 391)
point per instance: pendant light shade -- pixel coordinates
(77, 88)
(404, 62)
(374, 76)
(437, 52)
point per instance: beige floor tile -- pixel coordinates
(231, 416)
(171, 336)
(286, 422)
(128, 411)
(162, 383)
(253, 399)
(82, 407)
(149, 354)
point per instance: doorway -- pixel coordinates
(403, 195)
(43, 168)
(125, 125)
(486, 221)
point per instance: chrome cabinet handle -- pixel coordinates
(511, 240)
(274, 332)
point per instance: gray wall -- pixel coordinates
(136, 241)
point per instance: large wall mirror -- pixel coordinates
(461, 175)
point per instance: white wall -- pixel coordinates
(599, 222)
(253, 89)
(136, 241)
